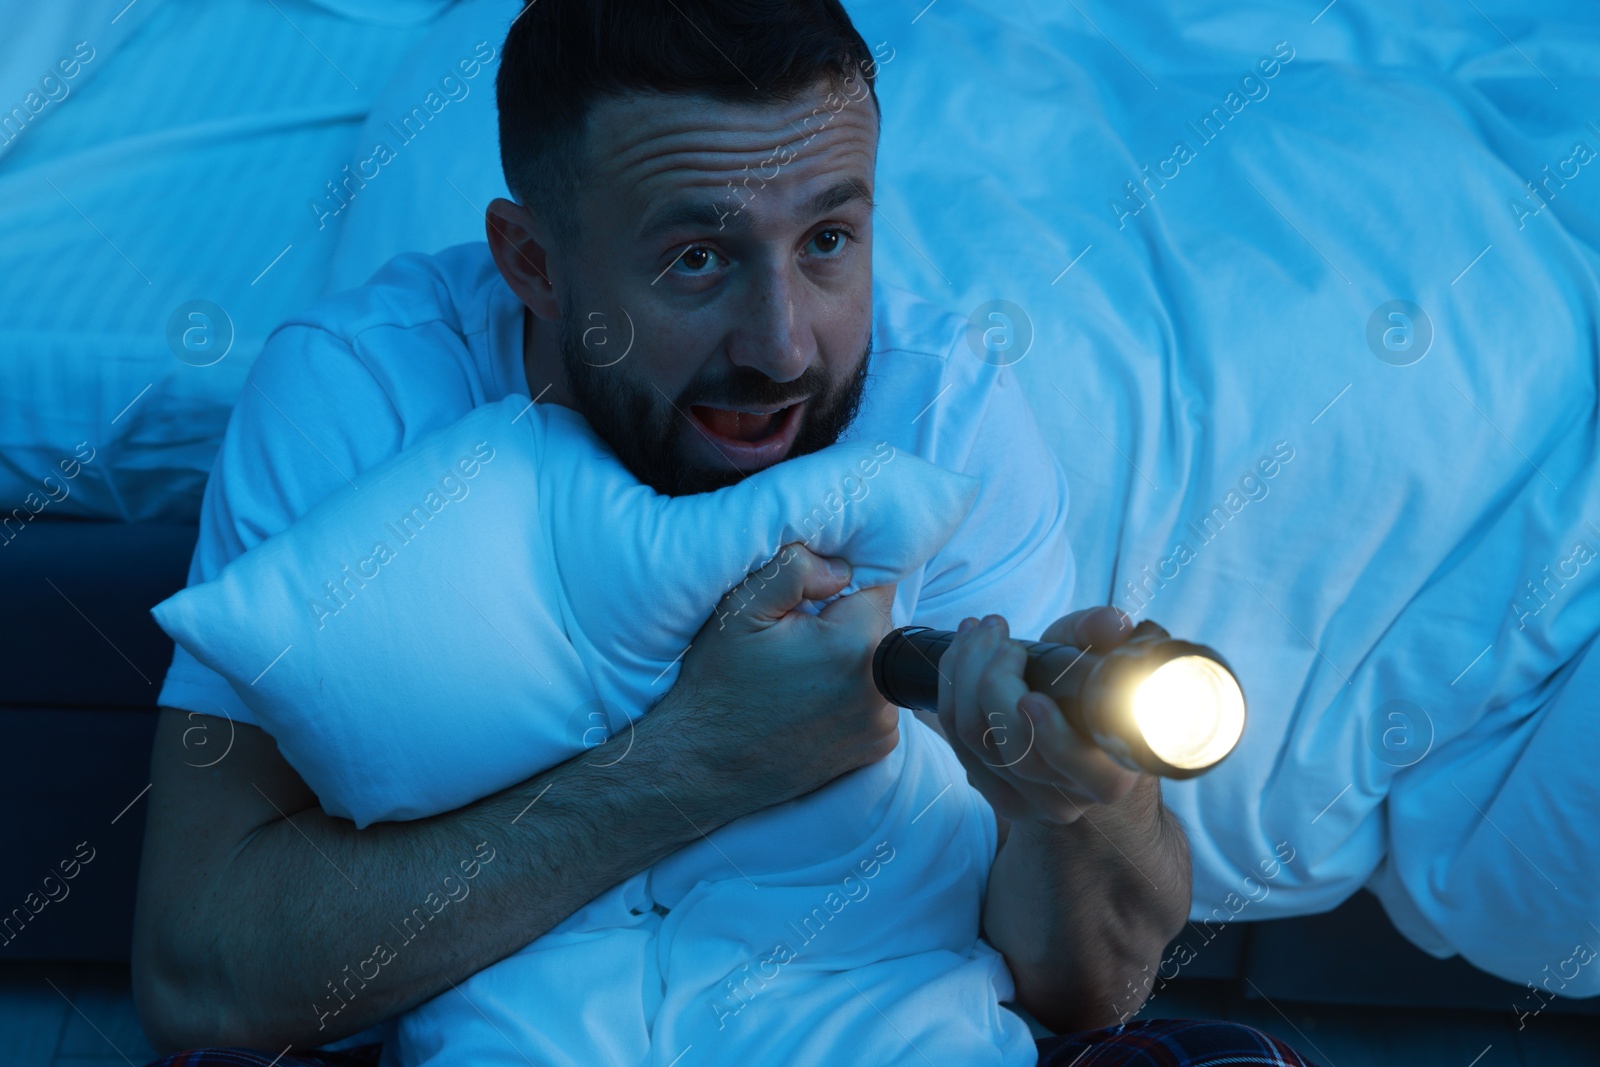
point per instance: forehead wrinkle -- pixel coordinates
(696, 113)
(698, 150)
(717, 168)
(671, 196)
(705, 141)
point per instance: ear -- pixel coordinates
(520, 245)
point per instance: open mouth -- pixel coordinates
(748, 438)
(747, 427)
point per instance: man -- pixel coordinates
(687, 264)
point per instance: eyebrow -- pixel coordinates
(706, 215)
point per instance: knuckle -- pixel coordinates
(735, 600)
(991, 682)
(1007, 661)
(798, 556)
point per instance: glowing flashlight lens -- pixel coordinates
(1190, 711)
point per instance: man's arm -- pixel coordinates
(1092, 879)
(256, 908)
(1082, 912)
(259, 917)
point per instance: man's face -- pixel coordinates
(749, 306)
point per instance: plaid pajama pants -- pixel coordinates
(1142, 1043)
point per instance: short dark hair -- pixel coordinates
(562, 56)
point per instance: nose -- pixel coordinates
(775, 335)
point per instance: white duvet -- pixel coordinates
(1411, 601)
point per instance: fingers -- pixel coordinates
(957, 683)
(1016, 738)
(1016, 799)
(773, 590)
(980, 681)
(1007, 733)
(1102, 627)
(1060, 755)
(873, 602)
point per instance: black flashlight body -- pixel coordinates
(1088, 686)
(906, 667)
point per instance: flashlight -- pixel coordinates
(1154, 704)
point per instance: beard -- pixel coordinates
(644, 427)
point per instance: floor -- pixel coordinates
(68, 1015)
(81, 1015)
(1334, 1035)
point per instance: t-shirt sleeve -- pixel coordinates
(310, 419)
(1011, 555)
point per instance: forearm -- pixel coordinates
(314, 930)
(1082, 912)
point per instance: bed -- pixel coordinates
(1305, 301)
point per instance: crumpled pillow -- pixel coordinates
(505, 593)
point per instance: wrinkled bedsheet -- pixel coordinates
(1389, 525)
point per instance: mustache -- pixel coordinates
(756, 390)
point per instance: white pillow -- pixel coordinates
(504, 593)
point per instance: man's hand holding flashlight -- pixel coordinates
(1080, 904)
(1016, 745)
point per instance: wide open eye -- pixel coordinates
(698, 259)
(829, 243)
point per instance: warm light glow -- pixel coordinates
(1190, 711)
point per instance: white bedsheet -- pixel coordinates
(178, 163)
(1176, 347)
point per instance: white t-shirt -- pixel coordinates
(366, 373)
